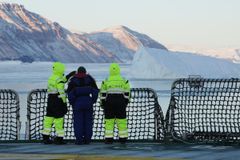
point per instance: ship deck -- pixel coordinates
(116, 151)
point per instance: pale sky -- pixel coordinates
(202, 23)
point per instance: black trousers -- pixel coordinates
(115, 106)
(55, 106)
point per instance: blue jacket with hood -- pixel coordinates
(82, 91)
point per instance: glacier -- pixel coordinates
(150, 63)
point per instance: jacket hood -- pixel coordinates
(80, 75)
(58, 68)
(114, 69)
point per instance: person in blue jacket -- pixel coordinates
(82, 94)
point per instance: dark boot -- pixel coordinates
(79, 142)
(46, 139)
(123, 140)
(108, 140)
(59, 141)
(87, 141)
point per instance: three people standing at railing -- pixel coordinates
(82, 94)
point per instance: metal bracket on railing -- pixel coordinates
(27, 130)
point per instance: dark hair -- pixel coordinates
(81, 69)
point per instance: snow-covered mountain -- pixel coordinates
(27, 35)
(122, 41)
(150, 63)
(231, 54)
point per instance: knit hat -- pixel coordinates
(81, 69)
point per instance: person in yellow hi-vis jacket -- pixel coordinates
(56, 105)
(115, 95)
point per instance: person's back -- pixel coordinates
(115, 92)
(56, 105)
(79, 89)
(57, 108)
(82, 94)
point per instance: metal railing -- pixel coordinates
(9, 115)
(204, 111)
(144, 114)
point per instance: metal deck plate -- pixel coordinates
(117, 151)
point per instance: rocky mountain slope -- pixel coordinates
(28, 36)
